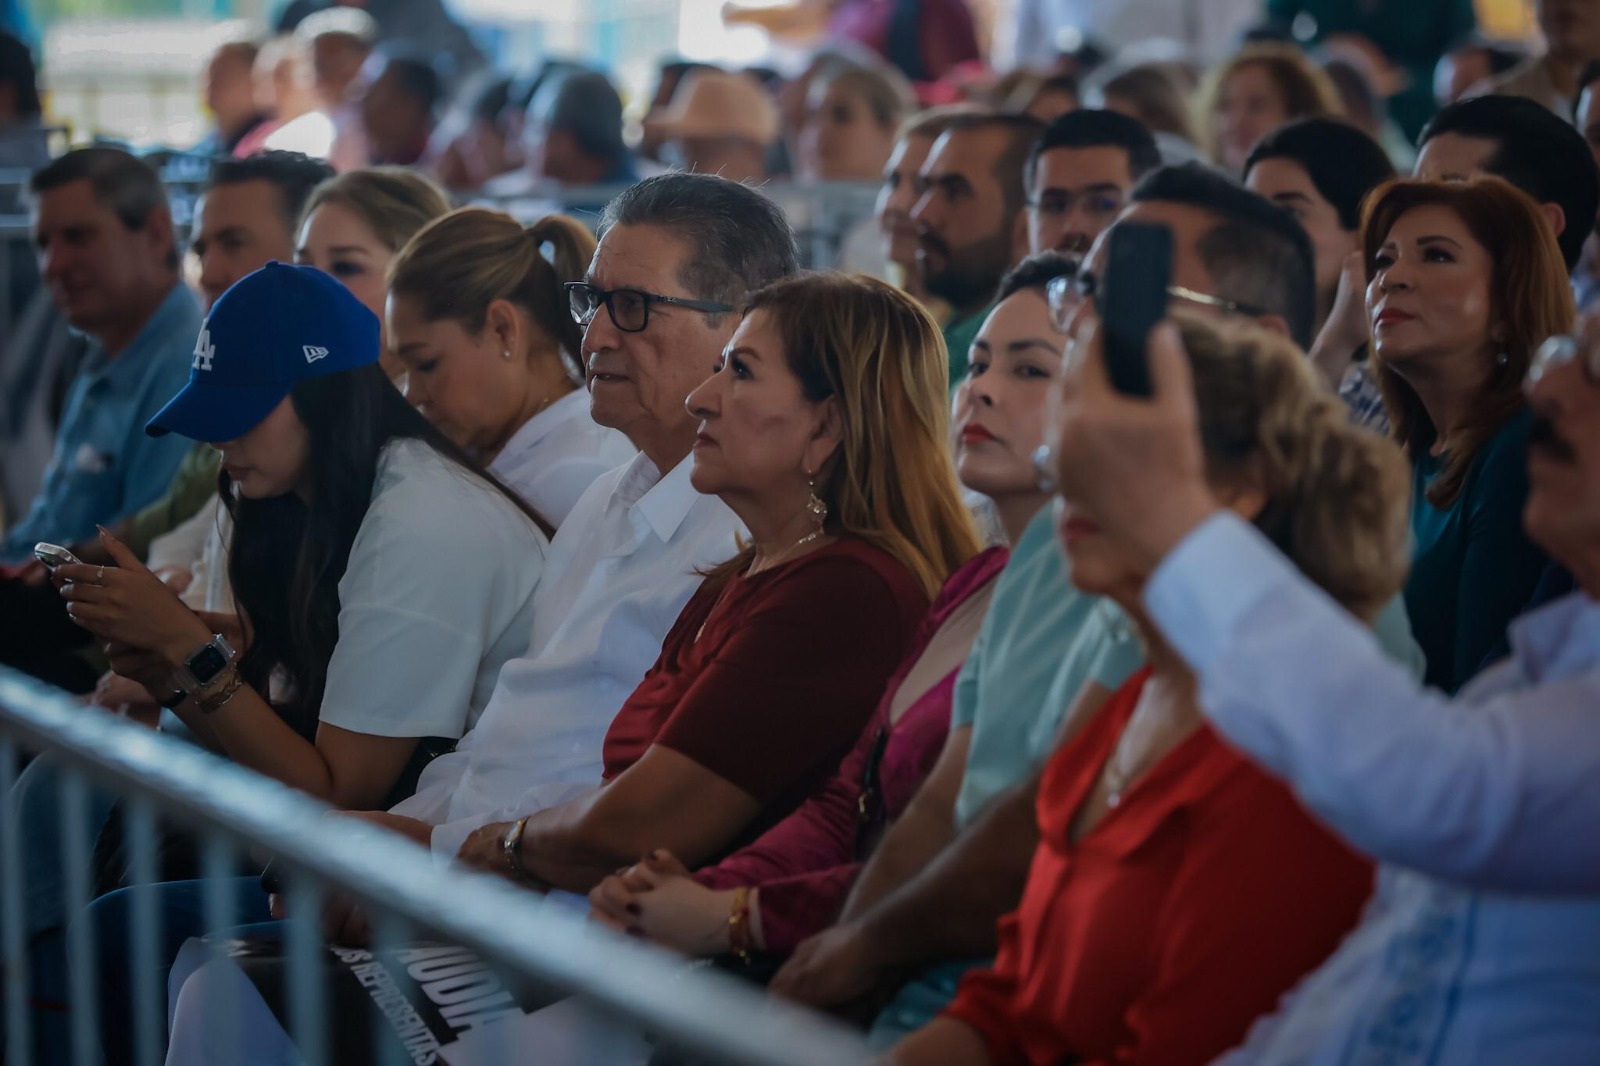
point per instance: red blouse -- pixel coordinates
(806, 864)
(787, 667)
(1175, 921)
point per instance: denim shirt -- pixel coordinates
(1481, 944)
(104, 467)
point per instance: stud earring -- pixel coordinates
(506, 353)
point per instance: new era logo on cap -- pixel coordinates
(313, 353)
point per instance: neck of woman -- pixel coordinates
(547, 382)
(1017, 510)
(1451, 393)
(780, 530)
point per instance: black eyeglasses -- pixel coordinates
(1065, 293)
(629, 308)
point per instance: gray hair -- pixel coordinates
(122, 182)
(740, 240)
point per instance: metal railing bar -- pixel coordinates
(221, 915)
(82, 955)
(149, 996)
(13, 933)
(307, 972)
(718, 1017)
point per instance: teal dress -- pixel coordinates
(1473, 569)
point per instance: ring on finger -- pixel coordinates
(100, 575)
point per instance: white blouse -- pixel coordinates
(436, 597)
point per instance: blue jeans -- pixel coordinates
(181, 907)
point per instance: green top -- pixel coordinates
(959, 333)
(1473, 569)
(1413, 35)
(194, 484)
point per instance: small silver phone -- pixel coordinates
(54, 555)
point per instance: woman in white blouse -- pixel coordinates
(479, 320)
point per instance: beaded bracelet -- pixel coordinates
(739, 924)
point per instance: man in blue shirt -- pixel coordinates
(105, 243)
(104, 238)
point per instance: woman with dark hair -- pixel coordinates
(346, 505)
(1320, 170)
(1464, 282)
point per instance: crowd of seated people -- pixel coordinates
(854, 632)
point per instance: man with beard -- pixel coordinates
(1079, 175)
(970, 224)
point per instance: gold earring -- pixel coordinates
(816, 507)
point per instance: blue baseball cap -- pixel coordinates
(271, 329)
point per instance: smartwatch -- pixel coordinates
(202, 668)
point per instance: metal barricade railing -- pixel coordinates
(527, 940)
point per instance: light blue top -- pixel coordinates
(1482, 942)
(1040, 641)
(104, 467)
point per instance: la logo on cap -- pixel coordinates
(313, 353)
(204, 351)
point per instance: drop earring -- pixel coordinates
(816, 507)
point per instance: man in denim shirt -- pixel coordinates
(105, 243)
(104, 238)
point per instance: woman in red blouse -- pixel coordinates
(1177, 890)
(800, 871)
(824, 428)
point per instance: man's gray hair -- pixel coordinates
(740, 240)
(120, 181)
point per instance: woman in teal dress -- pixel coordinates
(1465, 280)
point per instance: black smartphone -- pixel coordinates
(272, 878)
(1132, 299)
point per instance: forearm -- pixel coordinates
(942, 1042)
(950, 909)
(909, 846)
(253, 735)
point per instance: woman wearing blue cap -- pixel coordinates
(381, 579)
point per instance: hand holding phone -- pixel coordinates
(54, 555)
(1132, 299)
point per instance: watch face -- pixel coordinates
(207, 663)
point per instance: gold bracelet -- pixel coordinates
(739, 924)
(221, 692)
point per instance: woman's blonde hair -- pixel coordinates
(1337, 496)
(460, 264)
(892, 481)
(394, 202)
(1530, 299)
(1306, 89)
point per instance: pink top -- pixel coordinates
(806, 864)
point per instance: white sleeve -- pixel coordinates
(1497, 795)
(439, 570)
(182, 545)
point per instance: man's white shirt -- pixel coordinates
(618, 574)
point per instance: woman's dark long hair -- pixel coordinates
(287, 556)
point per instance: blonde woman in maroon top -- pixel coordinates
(1178, 891)
(824, 428)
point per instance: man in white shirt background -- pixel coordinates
(1482, 941)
